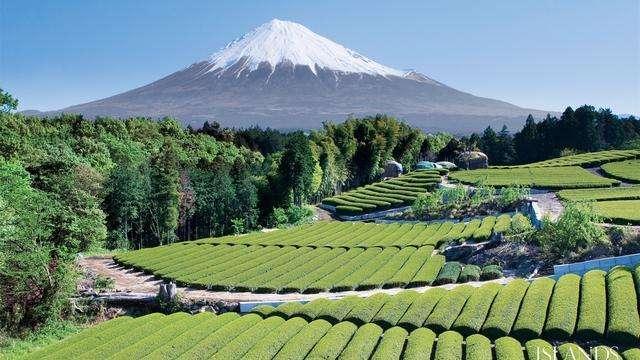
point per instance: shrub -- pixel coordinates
(393, 309)
(449, 273)
(511, 195)
(367, 309)
(469, 273)
(533, 311)
(540, 350)
(483, 233)
(236, 348)
(478, 347)
(421, 308)
(426, 204)
(391, 344)
(482, 195)
(622, 307)
(268, 347)
(508, 349)
(449, 346)
(428, 272)
(520, 224)
(503, 222)
(570, 351)
(448, 308)
(331, 345)
(592, 315)
(363, 342)
(504, 309)
(419, 344)
(263, 310)
(491, 272)
(476, 309)
(576, 229)
(336, 310)
(563, 307)
(631, 354)
(454, 196)
(300, 345)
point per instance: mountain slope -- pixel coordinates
(283, 75)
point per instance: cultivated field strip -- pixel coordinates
(596, 306)
(231, 336)
(554, 178)
(628, 171)
(359, 234)
(585, 160)
(617, 193)
(623, 212)
(386, 194)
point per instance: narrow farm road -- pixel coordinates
(128, 280)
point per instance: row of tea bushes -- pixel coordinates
(387, 194)
(554, 178)
(230, 336)
(585, 160)
(596, 306)
(617, 193)
(360, 234)
(628, 171)
(285, 269)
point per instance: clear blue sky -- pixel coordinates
(536, 53)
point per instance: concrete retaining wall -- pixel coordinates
(603, 264)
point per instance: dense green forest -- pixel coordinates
(582, 130)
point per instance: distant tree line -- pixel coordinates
(583, 130)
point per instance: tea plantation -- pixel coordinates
(617, 193)
(326, 256)
(386, 194)
(554, 178)
(514, 321)
(585, 160)
(628, 171)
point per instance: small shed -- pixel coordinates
(392, 169)
(473, 160)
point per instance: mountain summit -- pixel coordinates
(284, 75)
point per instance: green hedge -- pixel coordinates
(428, 272)
(448, 308)
(421, 308)
(533, 310)
(478, 347)
(216, 340)
(470, 273)
(592, 312)
(476, 309)
(299, 346)
(336, 310)
(363, 342)
(331, 345)
(392, 310)
(631, 354)
(239, 346)
(508, 349)
(505, 309)
(484, 231)
(391, 344)
(491, 272)
(366, 310)
(562, 314)
(449, 346)
(538, 349)
(624, 322)
(449, 273)
(503, 222)
(419, 344)
(268, 347)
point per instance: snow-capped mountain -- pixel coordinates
(283, 75)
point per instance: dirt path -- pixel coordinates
(549, 204)
(127, 280)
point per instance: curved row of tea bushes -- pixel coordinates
(553, 178)
(387, 194)
(585, 159)
(617, 193)
(286, 269)
(355, 234)
(230, 336)
(594, 307)
(628, 171)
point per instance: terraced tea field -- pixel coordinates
(622, 212)
(326, 256)
(628, 171)
(230, 336)
(553, 178)
(597, 306)
(404, 326)
(585, 160)
(617, 193)
(386, 194)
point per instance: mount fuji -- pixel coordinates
(283, 75)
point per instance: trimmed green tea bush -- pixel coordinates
(592, 312)
(268, 347)
(622, 306)
(421, 308)
(476, 309)
(331, 345)
(448, 308)
(363, 342)
(391, 344)
(570, 351)
(449, 346)
(420, 344)
(508, 349)
(469, 273)
(449, 273)
(538, 349)
(533, 311)
(300, 345)
(563, 307)
(478, 347)
(504, 309)
(394, 308)
(491, 272)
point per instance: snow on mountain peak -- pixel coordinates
(277, 41)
